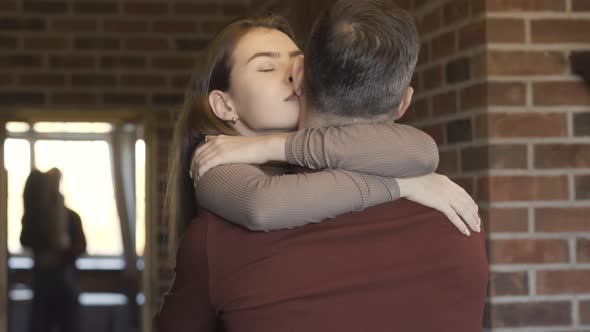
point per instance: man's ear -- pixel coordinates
(221, 105)
(298, 75)
(406, 101)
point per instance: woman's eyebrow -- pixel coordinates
(292, 54)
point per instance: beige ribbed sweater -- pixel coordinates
(360, 163)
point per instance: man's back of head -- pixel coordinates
(360, 59)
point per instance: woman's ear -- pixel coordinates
(221, 105)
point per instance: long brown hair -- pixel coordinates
(198, 120)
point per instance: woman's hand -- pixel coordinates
(440, 193)
(221, 150)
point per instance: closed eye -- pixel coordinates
(266, 70)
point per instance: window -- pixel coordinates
(81, 151)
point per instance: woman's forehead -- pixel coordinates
(263, 41)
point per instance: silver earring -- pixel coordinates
(234, 120)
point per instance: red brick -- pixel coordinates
(120, 62)
(530, 314)
(94, 80)
(505, 220)
(44, 7)
(233, 9)
(22, 24)
(560, 31)
(124, 99)
(8, 6)
(563, 282)
(181, 81)
(508, 283)
(562, 220)
(146, 8)
(455, 11)
(173, 62)
(523, 188)
(493, 94)
(433, 77)
(525, 5)
(8, 42)
(419, 110)
(458, 70)
(42, 80)
(449, 162)
(204, 8)
(74, 24)
(125, 26)
(529, 63)
(175, 26)
(444, 104)
(430, 21)
(96, 7)
(459, 131)
(580, 6)
(466, 182)
(147, 44)
(583, 250)
(505, 30)
(96, 43)
(561, 93)
(6, 79)
(582, 184)
(22, 98)
(21, 61)
(528, 251)
(494, 157)
(562, 156)
(73, 98)
(510, 125)
(472, 35)
(45, 43)
(437, 132)
(506, 94)
(443, 45)
(585, 312)
(71, 62)
(142, 80)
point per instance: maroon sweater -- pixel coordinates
(395, 267)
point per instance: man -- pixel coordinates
(395, 267)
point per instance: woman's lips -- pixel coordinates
(292, 97)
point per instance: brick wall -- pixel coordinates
(495, 89)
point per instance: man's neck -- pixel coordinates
(313, 119)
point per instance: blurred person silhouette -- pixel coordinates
(54, 233)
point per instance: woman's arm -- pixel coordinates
(245, 195)
(384, 148)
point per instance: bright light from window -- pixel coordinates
(73, 127)
(140, 197)
(87, 187)
(17, 162)
(17, 127)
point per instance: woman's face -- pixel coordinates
(261, 88)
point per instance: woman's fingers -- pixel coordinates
(454, 218)
(466, 212)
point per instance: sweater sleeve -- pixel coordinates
(384, 148)
(245, 195)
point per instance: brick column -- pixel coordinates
(495, 89)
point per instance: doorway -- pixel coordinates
(103, 165)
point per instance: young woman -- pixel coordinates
(245, 88)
